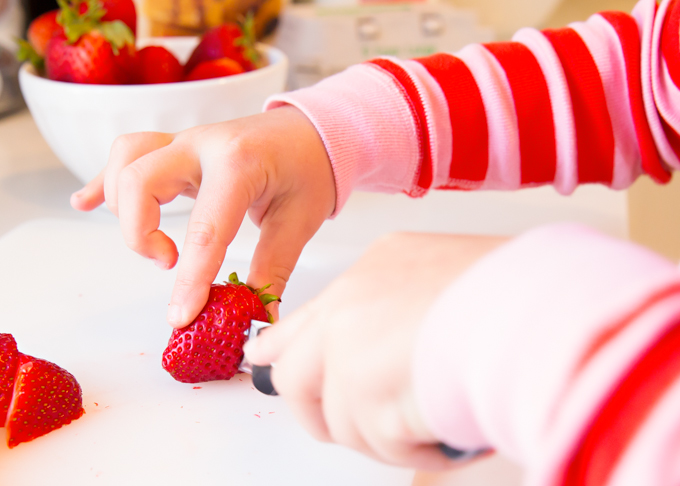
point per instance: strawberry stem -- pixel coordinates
(247, 40)
(264, 298)
(77, 22)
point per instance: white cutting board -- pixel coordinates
(72, 293)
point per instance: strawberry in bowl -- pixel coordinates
(80, 118)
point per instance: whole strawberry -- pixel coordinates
(229, 40)
(46, 397)
(89, 60)
(123, 10)
(89, 50)
(155, 64)
(216, 68)
(9, 360)
(211, 347)
(42, 29)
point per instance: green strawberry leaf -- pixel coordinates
(268, 298)
(26, 52)
(77, 24)
(233, 278)
(117, 33)
(247, 40)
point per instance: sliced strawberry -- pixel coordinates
(230, 40)
(45, 398)
(42, 29)
(216, 68)
(211, 347)
(155, 64)
(9, 360)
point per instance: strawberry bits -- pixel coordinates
(36, 396)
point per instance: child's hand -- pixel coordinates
(273, 166)
(343, 362)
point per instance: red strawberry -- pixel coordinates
(227, 40)
(216, 68)
(211, 347)
(155, 64)
(45, 398)
(90, 60)
(42, 29)
(9, 360)
(123, 10)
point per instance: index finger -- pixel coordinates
(220, 207)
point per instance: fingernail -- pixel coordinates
(160, 264)
(174, 315)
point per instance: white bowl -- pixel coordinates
(81, 121)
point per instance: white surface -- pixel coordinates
(80, 122)
(87, 303)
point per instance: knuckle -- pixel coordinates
(122, 145)
(130, 178)
(202, 234)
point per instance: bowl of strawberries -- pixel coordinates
(87, 79)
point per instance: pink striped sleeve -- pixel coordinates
(569, 365)
(595, 102)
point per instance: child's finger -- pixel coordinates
(284, 232)
(143, 186)
(125, 150)
(90, 196)
(218, 213)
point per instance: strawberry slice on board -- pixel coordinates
(211, 347)
(9, 361)
(45, 397)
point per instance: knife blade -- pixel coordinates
(261, 375)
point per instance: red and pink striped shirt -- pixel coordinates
(562, 349)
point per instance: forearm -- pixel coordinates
(560, 351)
(590, 103)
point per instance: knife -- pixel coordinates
(261, 374)
(262, 381)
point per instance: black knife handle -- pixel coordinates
(262, 380)
(460, 455)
